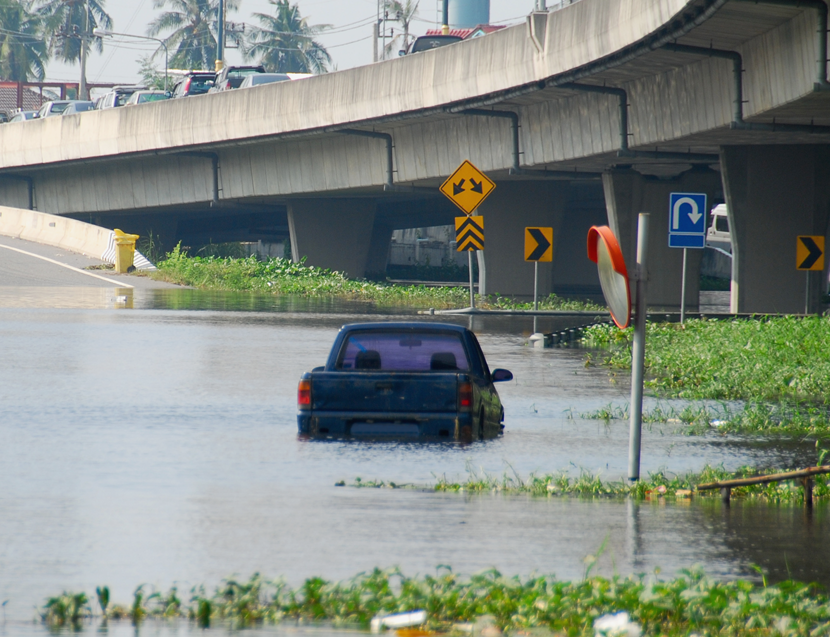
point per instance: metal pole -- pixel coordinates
(220, 38)
(807, 294)
(445, 18)
(638, 351)
(82, 92)
(472, 289)
(535, 286)
(683, 289)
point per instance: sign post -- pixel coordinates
(809, 257)
(538, 247)
(467, 188)
(687, 229)
(638, 352)
(469, 237)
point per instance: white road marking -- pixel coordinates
(117, 284)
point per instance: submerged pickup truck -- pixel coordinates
(423, 380)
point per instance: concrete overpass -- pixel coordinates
(636, 97)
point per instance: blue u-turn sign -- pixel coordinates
(687, 220)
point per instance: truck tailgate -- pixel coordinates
(384, 392)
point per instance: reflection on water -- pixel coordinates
(160, 447)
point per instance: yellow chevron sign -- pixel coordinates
(809, 253)
(469, 233)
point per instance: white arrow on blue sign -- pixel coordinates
(687, 220)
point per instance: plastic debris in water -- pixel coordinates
(401, 620)
(618, 625)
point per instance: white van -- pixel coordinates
(718, 235)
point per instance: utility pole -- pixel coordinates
(220, 38)
(82, 90)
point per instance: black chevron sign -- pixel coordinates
(810, 253)
(469, 233)
(538, 244)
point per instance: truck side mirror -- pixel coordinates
(501, 375)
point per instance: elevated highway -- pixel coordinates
(589, 114)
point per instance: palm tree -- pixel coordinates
(66, 20)
(403, 12)
(23, 52)
(285, 41)
(192, 42)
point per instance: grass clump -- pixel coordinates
(284, 277)
(658, 484)
(690, 603)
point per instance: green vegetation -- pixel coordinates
(772, 359)
(689, 604)
(779, 367)
(586, 484)
(283, 277)
(794, 420)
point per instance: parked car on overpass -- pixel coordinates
(145, 97)
(51, 109)
(231, 77)
(23, 116)
(79, 107)
(194, 83)
(118, 96)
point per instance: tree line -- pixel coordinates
(33, 32)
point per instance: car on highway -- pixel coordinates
(51, 109)
(79, 107)
(231, 77)
(408, 380)
(194, 83)
(256, 79)
(718, 235)
(118, 96)
(4, 117)
(429, 42)
(145, 97)
(23, 116)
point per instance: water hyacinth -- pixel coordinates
(284, 277)
(690, 603)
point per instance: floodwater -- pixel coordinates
(150, 438)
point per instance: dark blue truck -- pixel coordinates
(424, 380)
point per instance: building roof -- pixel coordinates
(32, 100)
(467, 34)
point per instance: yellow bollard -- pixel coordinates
(124, 251)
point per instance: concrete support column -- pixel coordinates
(511, 208)
(773, 195)
(378, 257)
(332, 233)
(628, 193)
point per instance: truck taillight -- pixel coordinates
(304, 394)
(465, 396)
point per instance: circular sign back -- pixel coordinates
(604, 250)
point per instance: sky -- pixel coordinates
(349, 41)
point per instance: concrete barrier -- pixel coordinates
(62, 232)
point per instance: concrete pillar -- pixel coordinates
(332, 233)
(773, 195)
(627, 194)
(574, 275)
(511, 208)
(378, 257)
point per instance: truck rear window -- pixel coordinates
(404, 352)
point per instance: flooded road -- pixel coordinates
(158, 445)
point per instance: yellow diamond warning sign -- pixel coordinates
(468, 187)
